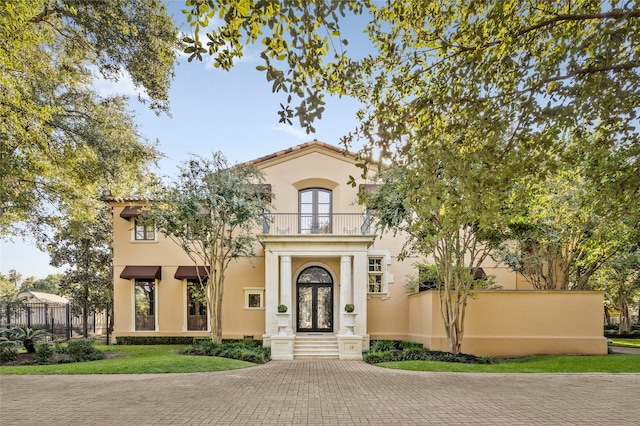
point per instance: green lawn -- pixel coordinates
(164, 359)
(135, 359)
(613, 363)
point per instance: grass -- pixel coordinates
(165, 359)
(627, 343)
(618, 363)
(135, 360)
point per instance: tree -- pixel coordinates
(7, 288)
(85, 246)
(64, 145)
(50, 284)
(562, 239)
(211, 211)
(429, 206)
(559, 79)
(620, 278)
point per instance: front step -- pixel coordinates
(316, 346)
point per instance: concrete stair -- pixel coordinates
(316, 346)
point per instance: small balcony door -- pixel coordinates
(315, 211)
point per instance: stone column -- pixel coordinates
(285, 286)
(360, 283)
(346, 289)
(271, 293)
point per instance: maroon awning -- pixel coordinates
(142, 272)
(190, 272)
(478, 273)
(131, 211)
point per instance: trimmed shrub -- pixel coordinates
(377, 357)
(8, 350)
(382, 346)
(156, 340)
(241, 349)
(414, 354)
(82, 350)
(44, 353)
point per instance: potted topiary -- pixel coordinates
(349, 318)
(283, 319)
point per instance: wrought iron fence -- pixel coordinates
(57, 318)
(317, 223)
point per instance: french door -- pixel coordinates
(315, 211)
(315, 300)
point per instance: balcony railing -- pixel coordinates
(321, 223)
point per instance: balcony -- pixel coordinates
(316, 224)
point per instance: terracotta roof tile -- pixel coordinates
(312, 143)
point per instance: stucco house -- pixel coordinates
(317, 254)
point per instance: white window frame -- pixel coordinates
(155, 306)
(386, 278)
(252, 291)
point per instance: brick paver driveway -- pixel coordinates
(321, 392)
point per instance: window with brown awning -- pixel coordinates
(141, 272)
(131, 211)
(190, 272)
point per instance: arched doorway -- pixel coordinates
(314, 290)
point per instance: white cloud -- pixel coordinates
(296, 132)
(122, 85)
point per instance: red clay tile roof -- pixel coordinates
(314, 142)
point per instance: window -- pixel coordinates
(196, 306)
(254, 298)
(144, 231)
(379, 278)
(376, 275)
(315, 211)
(145, 304)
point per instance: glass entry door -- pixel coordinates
(315, 300)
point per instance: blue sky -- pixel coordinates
(212, 110)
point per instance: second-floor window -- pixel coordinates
(144, 231)
(315, 211)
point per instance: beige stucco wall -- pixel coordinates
(171, 293)
(503, 323)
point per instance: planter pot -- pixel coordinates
(349, 322)
(283, 322)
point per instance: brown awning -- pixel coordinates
(131, 211)
(190, 273)
(142, 272)
(478, 273)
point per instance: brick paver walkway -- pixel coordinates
(319, 392)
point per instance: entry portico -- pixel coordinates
(315, 276)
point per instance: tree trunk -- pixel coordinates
(85, 312)
(625, 320)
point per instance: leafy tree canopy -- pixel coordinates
(63, 145)
(50, 284)
(553, 82)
